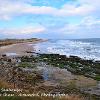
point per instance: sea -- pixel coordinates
(83, 48)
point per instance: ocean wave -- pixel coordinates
(86, 50)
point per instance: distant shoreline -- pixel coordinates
(18, 46)
(16, 41)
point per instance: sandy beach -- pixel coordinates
(19, 48)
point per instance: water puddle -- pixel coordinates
(12, 54)
(55, 74)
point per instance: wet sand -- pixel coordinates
(20, 48)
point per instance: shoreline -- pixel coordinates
(28, 49)
(19, 48)
(48, 72)
(16, 48)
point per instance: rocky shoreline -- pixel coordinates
(21, 67)
(51, 73)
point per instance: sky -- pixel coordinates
(50, 19)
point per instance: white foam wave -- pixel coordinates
(86, 50)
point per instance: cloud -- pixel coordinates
(27, 30)
(88, 27)
(25, 7)
(87, 10)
